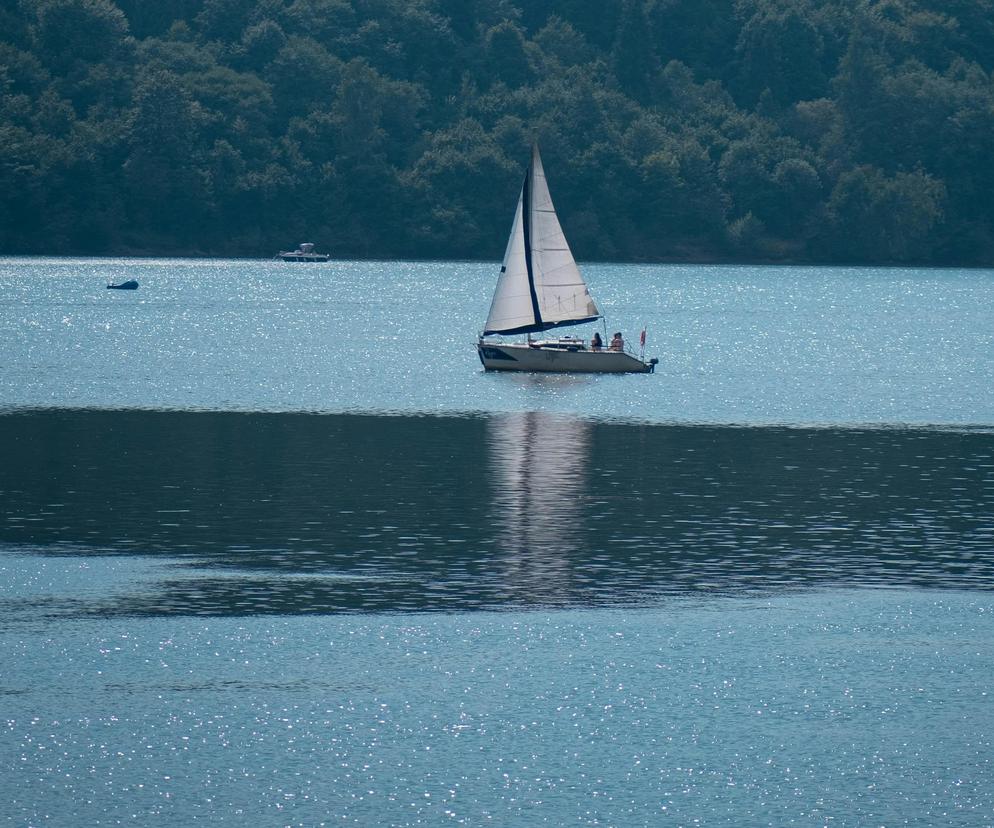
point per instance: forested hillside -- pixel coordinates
(698, 130)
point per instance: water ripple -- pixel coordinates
(281, 514)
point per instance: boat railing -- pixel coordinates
(584, 345)
(567, 343)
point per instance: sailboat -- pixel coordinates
(540, 288)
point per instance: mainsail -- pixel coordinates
(540, 286)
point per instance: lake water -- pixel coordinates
(274, 550)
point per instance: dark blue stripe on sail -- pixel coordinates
(526, 215)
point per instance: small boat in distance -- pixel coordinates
(539, 288)
(131, 284)
(304, 253)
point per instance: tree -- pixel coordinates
(560, 42)
(261, 43)
(747, 170)
(147, 19)
(304, 77)
(700, 35)
(799, 193)
(780, 49)
(875, 217)
(165, 190)
(224, 20)
(506, 56)
(717, 128)
(327, 21)
(23, 73)
(458, 165)
(232, 101)
(80, 30)
(633, 58)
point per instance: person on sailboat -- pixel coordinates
(617, 343)
(596, 343)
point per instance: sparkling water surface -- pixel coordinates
(274, 550)
(735, 344)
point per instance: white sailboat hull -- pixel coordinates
(295, 256)
(559, 359)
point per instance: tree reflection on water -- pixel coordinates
(297, 513)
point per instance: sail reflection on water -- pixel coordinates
(540, 464)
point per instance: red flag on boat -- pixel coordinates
(642, 338)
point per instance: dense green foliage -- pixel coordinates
(841, 130)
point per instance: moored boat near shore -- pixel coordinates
(304, 253)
